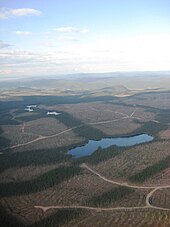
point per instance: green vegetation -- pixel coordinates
(33, 157)
(101, 155)
(32, 117)
(151, 170)
(104, 154)
(7, 220)
(163, 116)
(84, 130)
(50, 100)
(61, 217)
(110, 196)
(4, 142)
(67, 119)
(89, 132)
(152, 105)
(47, 180)
(6, 119)
(151, 128)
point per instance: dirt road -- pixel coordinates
(125, 116)
(148, 200)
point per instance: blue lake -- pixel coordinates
(93, 145)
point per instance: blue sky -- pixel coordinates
(40, 37)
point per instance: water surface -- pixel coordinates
(92, 145)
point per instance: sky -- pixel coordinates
(54, 37)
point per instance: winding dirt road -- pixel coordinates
(125, 116)
(57, 134)
(44, 209)
(114, 182)
(148, 200)
(150, 194)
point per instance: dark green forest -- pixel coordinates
(151, 170)
(42, 182)
(106, 198)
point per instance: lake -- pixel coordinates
(92, 145)
(53, 113)
(30, 108)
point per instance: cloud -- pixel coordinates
(24, 33)
(70, 30)
(4, 45)
(25, 12)
(19, 62)
(6, 13)
(69, 38)
(99, 55)
(85, 30)
(66, 29)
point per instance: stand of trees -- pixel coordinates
(47, 180)
(3, 141)
(84, 130)
(33, 157)
(61, 217)
(106, 198)
(151, 170)
(101, 155)
(7, 220)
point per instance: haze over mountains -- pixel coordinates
(52, 80)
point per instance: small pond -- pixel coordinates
(30, 108)
(92, 145)
(53, 113)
